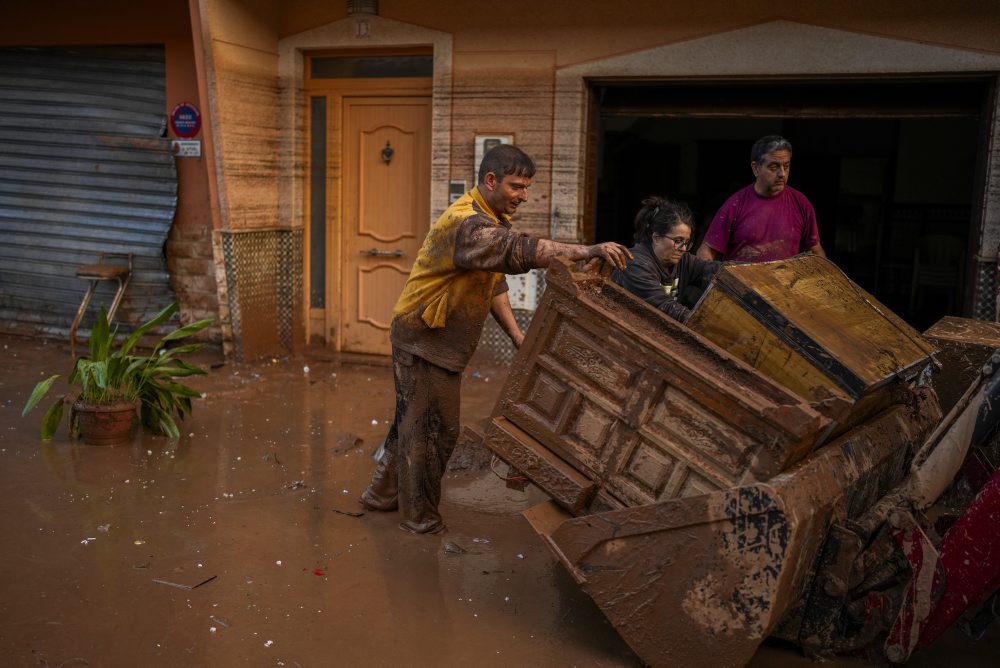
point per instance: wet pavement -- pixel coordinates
(242, 543)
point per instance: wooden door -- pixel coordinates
(386, 211)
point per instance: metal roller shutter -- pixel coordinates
(85, 167)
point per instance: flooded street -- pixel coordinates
(99, 542)
(243, 543)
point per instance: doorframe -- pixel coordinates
(364, 34)
(336, 90)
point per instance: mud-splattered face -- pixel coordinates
(772, 173)
(505, 195)
(669, 248)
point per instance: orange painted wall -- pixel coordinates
(582, 30)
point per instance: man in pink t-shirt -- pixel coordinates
(767, 220)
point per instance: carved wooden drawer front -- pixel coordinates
(640, 406)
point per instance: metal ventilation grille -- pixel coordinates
(84, 167)
(264, 283)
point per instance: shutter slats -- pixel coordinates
(84, 168)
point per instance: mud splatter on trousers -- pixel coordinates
(419, 443)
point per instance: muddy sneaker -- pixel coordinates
(372, 501)
(419, 529)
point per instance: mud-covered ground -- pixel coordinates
(241, 543)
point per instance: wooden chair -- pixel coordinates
(102, 271)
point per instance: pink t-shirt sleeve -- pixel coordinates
(721, 228)
(810, 231)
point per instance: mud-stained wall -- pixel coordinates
(242, 38)
(529, 78)
(507, 75)
(259, 255)
(523, 74)
(512, 94)
(987, 298)
(583, 31)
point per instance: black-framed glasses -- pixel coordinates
(680, 242)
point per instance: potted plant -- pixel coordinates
(114, 381)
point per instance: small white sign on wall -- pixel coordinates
(523, 290)
(186, 148)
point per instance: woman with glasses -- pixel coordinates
(662, 272)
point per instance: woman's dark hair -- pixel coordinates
(504, 160)
(660, 215)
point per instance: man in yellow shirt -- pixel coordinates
(456, 280)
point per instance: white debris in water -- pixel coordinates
(374, 423)
(268, 643)
(278, 562)
(305, 369)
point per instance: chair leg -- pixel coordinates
(122, 284)
(79, 318)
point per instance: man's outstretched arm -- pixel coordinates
(609, 251)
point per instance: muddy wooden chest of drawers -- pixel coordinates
(611, 404)
(803, 323)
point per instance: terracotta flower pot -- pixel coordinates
(106, 425)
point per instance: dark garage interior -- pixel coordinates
(894, 169)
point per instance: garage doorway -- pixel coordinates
(894, 169)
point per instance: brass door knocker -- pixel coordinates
(387, 153)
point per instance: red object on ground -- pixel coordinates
(919, 593)
(319, 572)
(970, 558)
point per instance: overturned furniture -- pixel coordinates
(700, 501)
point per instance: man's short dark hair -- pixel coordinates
(505, 160)
(769, 144)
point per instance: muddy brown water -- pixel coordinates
(101, 544)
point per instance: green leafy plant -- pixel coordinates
(112, 375)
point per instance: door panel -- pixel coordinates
(386, 211)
